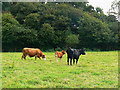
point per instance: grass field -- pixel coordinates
(94, 70)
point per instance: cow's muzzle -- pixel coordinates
(44, 58)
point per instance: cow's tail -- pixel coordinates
(23, 50)
(56, 54)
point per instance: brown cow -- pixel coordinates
(33, 52)
(59, 55)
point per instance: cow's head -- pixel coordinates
(43, 56)
(63, 51)
(82, 51)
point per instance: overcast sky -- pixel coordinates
(104, 4)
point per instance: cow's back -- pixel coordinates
(73, 53)
(76, 54)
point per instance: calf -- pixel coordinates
(33, 52)
(74, 54)
(59, 55)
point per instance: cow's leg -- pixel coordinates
(60, 59)
(24, 56)
(70, 61)
(39, 57)
(57, 59)
(76, 61)
(35, 57)
(73, 61)
(55, 56)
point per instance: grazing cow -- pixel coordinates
(59, 55)
(74, 54)
(33, 52)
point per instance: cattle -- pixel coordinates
(59, 55)
(31, 52)
(74, 54)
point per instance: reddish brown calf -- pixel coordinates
(59, 55)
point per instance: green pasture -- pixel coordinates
(94, 70)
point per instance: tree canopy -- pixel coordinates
(57, 25)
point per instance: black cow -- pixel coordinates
(74, 54)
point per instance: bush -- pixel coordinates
(58, 49)
(50, 50)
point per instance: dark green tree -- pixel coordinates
(72, 40)
(32, 21)
(99, 10)
(15, 37)
(46, 36)
(54, 24)
(94, 33)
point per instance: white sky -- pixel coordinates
(104, 4)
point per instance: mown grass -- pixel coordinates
(94, 70)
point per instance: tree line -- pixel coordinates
(56, 26)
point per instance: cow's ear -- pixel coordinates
(80, 50)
